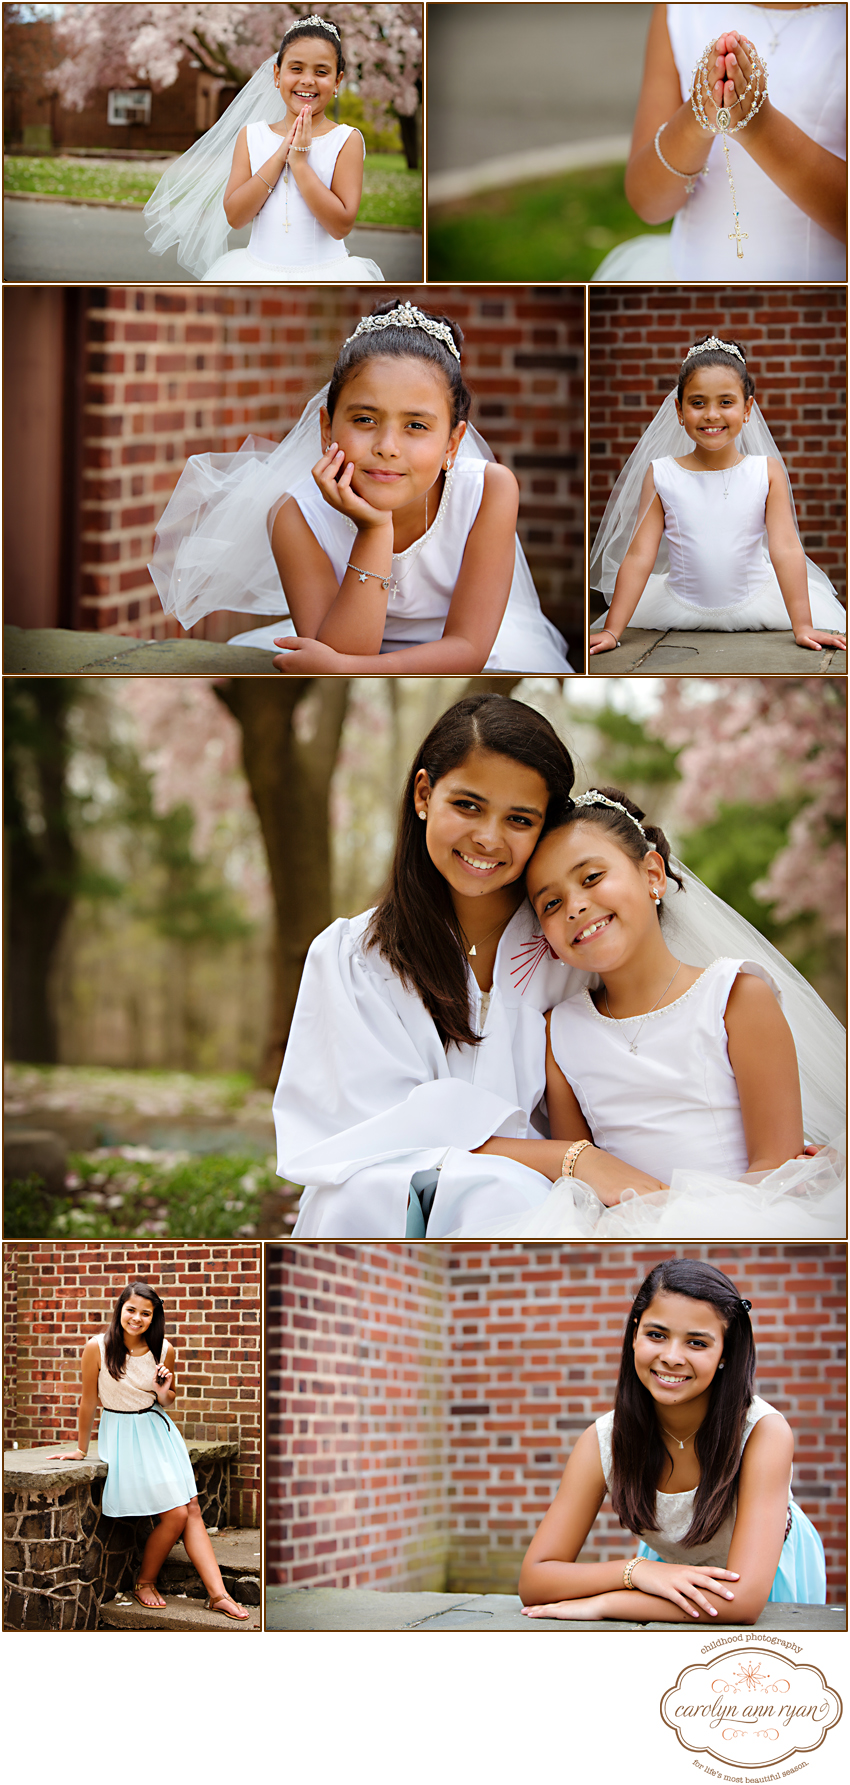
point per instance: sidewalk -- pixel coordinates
(644, 653)
(67, 244)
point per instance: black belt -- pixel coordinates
(133, 1412)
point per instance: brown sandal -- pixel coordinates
(158, 1603)
(226, 1599)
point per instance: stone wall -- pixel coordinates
(212, 1295)
(423, 1400)
(795, 338)
(62, 1556)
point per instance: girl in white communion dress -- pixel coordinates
(708, 541)
(687, 1072)
(380, 531)
(777, 207)
(698, 1467)
(275, 161)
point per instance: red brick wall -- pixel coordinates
(212, 1295)
(795, 340)
(523, 1347)
(355, 1431)
(30, 53)
(175, 371)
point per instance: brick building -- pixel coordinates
(113, 389)
(59, 1295)
(35, 120)
(795, 339)
(422, 1400)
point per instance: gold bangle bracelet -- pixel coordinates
(628, 1571)
(569, 1161)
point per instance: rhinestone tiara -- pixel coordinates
(593, 798)
(711, 345)
(407, 316)
(312, 20)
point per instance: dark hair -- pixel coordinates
(414, 926)
(716, 357)
(638, 1453)
(299, 29)
(627, 834)
(404, 343)
(115, 1347)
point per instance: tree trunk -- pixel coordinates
(291, 733)
(409, 127)
(41, 858)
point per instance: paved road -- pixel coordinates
(87, 244)
(528, 76)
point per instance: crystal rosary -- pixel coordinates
(723, 127)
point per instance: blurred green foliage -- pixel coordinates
(551, 229)
(120, 1197)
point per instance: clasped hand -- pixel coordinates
(733, 76)
(609, 1177)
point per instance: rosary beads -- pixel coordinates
(723, 126)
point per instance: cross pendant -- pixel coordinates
(633, 1048)
(738, 235)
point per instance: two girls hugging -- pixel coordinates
(426, 1089)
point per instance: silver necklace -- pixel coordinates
(614, 1019)
(721, 470)
(680, 1441)
(776, 31)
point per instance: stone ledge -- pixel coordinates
(179, 1614)
(357, 1608)
(52, 651)
(674, 653)
(33, 1471)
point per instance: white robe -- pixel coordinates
(368, 1095)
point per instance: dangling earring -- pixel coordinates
(656, 896)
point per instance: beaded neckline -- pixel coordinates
(646, 1016)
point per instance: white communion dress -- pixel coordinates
(720, 577)
(659, 1093)
(148, 1466)
(369, 1097)
(806, 83)
(424, 578)
(801, 1575)
(213, 549)
(288, 244)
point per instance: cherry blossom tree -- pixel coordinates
(757, 741)
(106, 44)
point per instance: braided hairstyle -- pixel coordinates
(404, 343)
(715, 356)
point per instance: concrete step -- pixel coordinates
(123, 1613)
(238, 1553)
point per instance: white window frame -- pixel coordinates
(123, 100)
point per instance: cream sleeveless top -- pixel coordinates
(675, 1511)
(136, 1389)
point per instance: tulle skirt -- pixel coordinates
(643, 258)
(660, 609)
(148, 1463)
(805, 1199)
(241, 267)
(801, 1576)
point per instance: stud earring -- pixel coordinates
(422, 815)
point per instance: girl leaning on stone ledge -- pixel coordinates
(129, 1369)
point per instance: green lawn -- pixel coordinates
(392, 194)
(552, 229)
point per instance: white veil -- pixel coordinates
(213, 543)
(700, 928)
(665, 438)
(187, 206)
